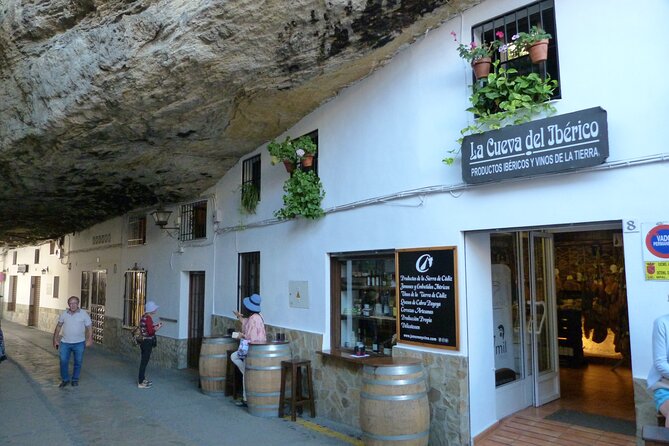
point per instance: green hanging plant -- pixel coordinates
(507, 98)
(303, 196)
(250, 198)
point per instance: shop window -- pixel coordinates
(136, 230)
(363, 302)
(249, 275)
(193, 221)
(134, 298)
(541, 14)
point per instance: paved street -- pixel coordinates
(108, 409)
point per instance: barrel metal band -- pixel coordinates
(212, 378)
(396, 437)
(263, 394)
(397, 382)
(269, 367)
(273, 355)
(225, 355)
(411, 397)
(395, 370)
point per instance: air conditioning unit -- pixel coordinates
(22, 268)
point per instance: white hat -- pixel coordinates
(151, 306)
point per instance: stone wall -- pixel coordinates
(337, 383)
(170, 352)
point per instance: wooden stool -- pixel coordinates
(297, 398)
(234, 380)
(655, 435)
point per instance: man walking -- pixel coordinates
(77, 335)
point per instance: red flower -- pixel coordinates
(499, 34)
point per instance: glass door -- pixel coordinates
(524, 318)
(543, 320)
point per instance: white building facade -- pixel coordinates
(380, 148)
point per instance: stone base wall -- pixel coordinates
(170, 353)
(19, 315)
(337, 383)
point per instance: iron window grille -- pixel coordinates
(136, 230)
(56, 287)
(134, 298)
(14, 257)
(37, 256)
(193, 221)
(249, 275)
(251, 173)
(541, 14)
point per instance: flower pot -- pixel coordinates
(307, 160)
(481, 67)
(539, 51)
(290, 166)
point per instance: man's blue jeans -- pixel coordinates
(78, 350)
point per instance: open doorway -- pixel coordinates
(560, 320)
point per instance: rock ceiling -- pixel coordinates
(109, 106)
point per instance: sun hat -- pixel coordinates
(151, 306)
(253, 303)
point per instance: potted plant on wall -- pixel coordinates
(480, 55)
(283, 152)
(305, 149)
(250, 198)
(303, 196)
(507, 98)
(534, 42)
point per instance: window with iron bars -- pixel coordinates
(251, 175)
(541, 14)
(193, 221)
(249, 275)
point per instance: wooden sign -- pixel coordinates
(427, 297)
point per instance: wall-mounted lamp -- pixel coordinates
(162, 217)
(45, 270)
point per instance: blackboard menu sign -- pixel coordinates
(427, 296)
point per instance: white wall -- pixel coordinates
(385, 136)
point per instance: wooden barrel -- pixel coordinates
(394, 409)
(262, 375)
(213, 362)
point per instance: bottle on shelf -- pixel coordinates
(375, 344)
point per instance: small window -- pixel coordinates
(193, 221)
(250, 183)
(14, 257)
(541, 14)
(56, 286)
(134, 297)
(249, 275)
(52, 247)
(37, 256)
(136, 230)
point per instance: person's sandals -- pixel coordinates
(144, 384)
